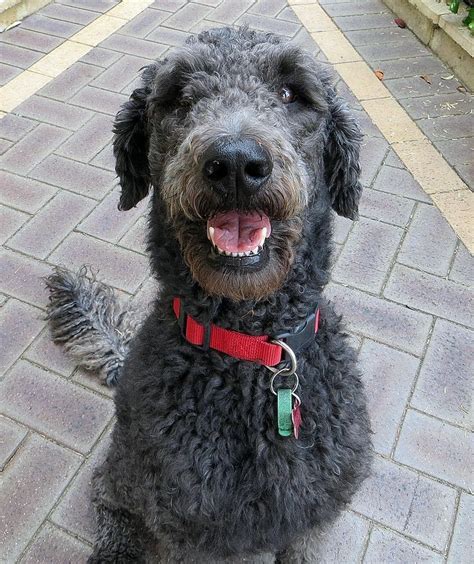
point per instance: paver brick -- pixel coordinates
(27, 495)
(107, 222)
(168, 5)
(172, 37)
(120, 73)
(135, 238)
(385, 546)
(431, 294)
(32, 149)
(342, 227)
(372, 153)
(271, 25)
(54, 112)
(22, 277)
(100, 57)
(344, 540)
(77, 177)
(289, 15)
(11, 435)
(367, 254)
(10, 221)
(122, 268)
(99, 100)
(355, 8)
(105, 159)
(50, 355)
(19, 57)
(390, 323)
(94, 5)
(187, 16)
(20, 323)
(456, 151)
(366, 21)
(463, 267)
(437, 448)
(24, 193)
(444, 387)
(69, 13)
(448, 127)
(421, 248)
(51, 224)
(30, 39)
(144, 23)
(89, 379)
(4, 146)
(466, 172)
(74, 511)
(89, 140)
(70, 81)
(416, 86)
(388, 375)
(462, 545)
(58, 408)
(407, 502)
(437, 105)
(14, 127)
(50, 26)
(7, 73)
(268, 7)
(134, 46)
(386, 207)
(377, 36)
(425, 64)
(365, 123)
(54, 546)
(394, 50)
(399, 182)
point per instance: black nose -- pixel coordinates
(234, 165)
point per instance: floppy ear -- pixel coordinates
(341, 159)
(131, 149)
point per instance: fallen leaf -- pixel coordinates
(379, 74)
(450, 77)
(461, 89)
(426, 78)
(400, 22)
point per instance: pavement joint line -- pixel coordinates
(421, 158)
(35, 77)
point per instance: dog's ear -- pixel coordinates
(341, 159)
(131, 149)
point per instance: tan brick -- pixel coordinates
(362, 81)
(60, 59)
(458, 209)
(336, 47)
(97, 31)
(314, 18)
(392, 120)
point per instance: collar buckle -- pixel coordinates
(303, 334)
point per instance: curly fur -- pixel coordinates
(197, 471)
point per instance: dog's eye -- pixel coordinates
(287, 95)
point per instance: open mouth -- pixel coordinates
(238, 238)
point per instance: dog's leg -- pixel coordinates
(304, 550)
(121, 537)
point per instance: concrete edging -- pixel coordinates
(442, 31)
(435, 176)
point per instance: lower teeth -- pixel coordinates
(246, 254)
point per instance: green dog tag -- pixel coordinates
(284, 410)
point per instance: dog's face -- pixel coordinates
(239, 135)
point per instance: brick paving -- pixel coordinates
(402, 278)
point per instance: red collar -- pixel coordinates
(259, 349)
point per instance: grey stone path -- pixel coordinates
(401, 277)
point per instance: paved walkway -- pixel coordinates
(401, 276)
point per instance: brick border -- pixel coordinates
(436, 177)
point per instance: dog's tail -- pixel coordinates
(86, 317)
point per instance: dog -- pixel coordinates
(242, 428)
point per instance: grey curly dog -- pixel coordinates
(241, 428)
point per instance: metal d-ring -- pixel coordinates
(292, 368)
(293, 389)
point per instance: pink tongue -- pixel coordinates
(237, 232)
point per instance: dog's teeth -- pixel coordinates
(255, 251)
(264, 233)
(210, 233)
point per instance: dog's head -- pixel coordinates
(239, 134)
